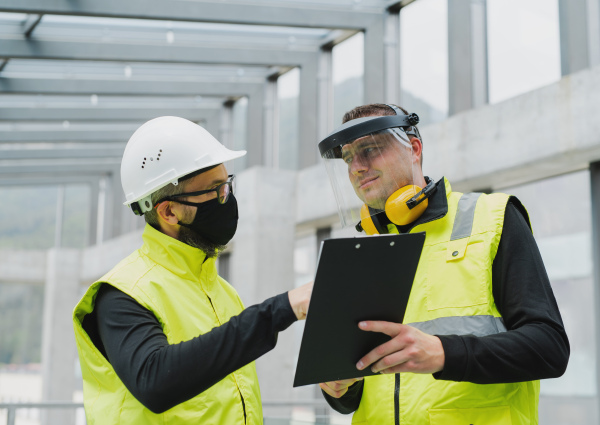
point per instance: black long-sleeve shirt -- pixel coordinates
(161, 375)
(536, 344)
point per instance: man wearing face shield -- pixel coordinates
(161, 337)
(481, 309)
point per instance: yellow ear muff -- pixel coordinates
(366, 221)
(397, 210)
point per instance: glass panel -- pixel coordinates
(424, 59)
(288, 89)
(31, 225)
(562, 228)
(76, 216)
(523, 46)
(347, 73)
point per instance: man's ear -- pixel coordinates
(165, 211)
(417, 148)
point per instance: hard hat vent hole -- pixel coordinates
(147, 204)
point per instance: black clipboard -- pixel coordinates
(357, 279)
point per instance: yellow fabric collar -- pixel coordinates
(179, 258)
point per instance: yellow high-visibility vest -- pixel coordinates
(181, 287)
(452, 294)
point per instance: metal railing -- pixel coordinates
(13, 407)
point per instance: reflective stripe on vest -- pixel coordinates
(463, 325)
(463, 222)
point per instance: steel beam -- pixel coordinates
(51, 179)
(280, 14)
(37, 48)
(31, 23)
(84, 165)
(100, 114)
(98, 135)
(98, 151)
(129, 87)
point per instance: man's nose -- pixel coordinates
(358, 165)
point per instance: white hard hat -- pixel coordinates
(161, 151)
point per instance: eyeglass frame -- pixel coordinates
(229, 181)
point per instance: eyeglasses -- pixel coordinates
(224, 190)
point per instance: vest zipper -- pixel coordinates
(397, 399)
(241, 395)
(243, 405)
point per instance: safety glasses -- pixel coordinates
(224, 190)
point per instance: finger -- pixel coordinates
(348, 382)
(398, 358)
(385, 349)
(339, 385)
(388, 328)
(333, 393)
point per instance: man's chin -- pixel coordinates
(374, 201)
(194, 239)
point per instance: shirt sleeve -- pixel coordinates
(535, 345)
(161, 375)
(350, 401)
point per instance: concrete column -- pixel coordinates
(213, 123)
(325, 90)
(262, 262)
(93, 212)
(117, 210)
(308, 119)
(375, 64)
(60, 215)
(595, 194)
(574, 34)
(104, 218)
(467, 55)
(271, 127)
(59, 354)
(226, 127)
(392, 57)
(593, 23)
(255, 123)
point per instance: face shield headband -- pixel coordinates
(360, 127)
(370, 165)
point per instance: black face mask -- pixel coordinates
(215, 221)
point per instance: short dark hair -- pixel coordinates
(151, 216)
(375, 109)
(370, 110)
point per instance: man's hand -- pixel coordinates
(336, 389)
(299, 299)
(409, 350)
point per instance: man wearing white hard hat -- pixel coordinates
(163, 339)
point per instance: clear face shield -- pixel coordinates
(372, 172)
